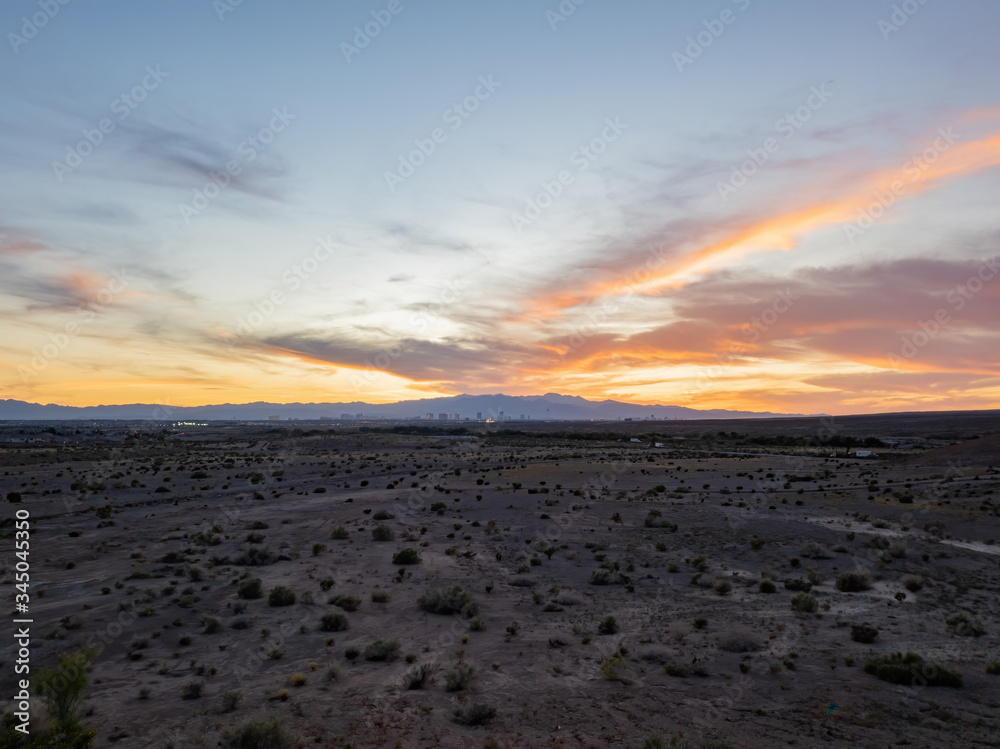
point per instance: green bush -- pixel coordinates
(804, 603)
(767, 586)
(607, 626)
(383, 533)
(406, 556)
(333, 623)
(340, 533)
(910, 669)
(418, 677)
(853, 582)
(459, 677)
(965, 624)
(382, 650)
(346, 602)
(250, 588)
(476, 714)
(451, 600)
(863, 633)
(258, 734)
(281, 596)
(62, 688)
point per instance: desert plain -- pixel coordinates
(617, 584)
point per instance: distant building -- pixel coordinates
(458, 416)
(274, 417)
(359, 416)
(442, 417)
(429, 417)
(635, 439)
(863, 454)
(346, 417)
(479, 415)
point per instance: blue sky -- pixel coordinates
(445, 280)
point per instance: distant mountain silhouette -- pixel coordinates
(511, 407)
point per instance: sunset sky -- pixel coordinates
(780, 206)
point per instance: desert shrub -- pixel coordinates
(383, 533)
(318, 549)
(281, 595)
(380, 596)
(352, 653)
(852, 582)
(383, 515)
(258, 734)
(212, 625)
(230, 700)
(655, 520)
(255, 556)
(298, 680)
(602, 576)
(797, 585)
(406, 556)
(908, 669)
(333, 623)
(864, 633)
(326, 583)
(346, 602)
(256, 525)
(804, 603)
(205, 538)
(477, 625)
(611, 665)
(739, 642)
(419, 676)
(340, 533)
(254, 537)
(192, 690)
(656, 741)
(451, 600)
(912, 583)
(459, 677)
(382, 650)
(62, 688)
(993, 668)
(722, 587)
(476, 714)
(607, 626)
(240, 622)
(767, 586)
(965, 624)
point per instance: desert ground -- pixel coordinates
(734, 587)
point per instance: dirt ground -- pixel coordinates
(142, 549)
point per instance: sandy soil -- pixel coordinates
(527, 526)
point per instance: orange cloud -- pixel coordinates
(943, 159)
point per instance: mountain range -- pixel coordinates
(498, 407)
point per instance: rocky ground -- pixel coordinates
(615, 590)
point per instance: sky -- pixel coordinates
(783, 206)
